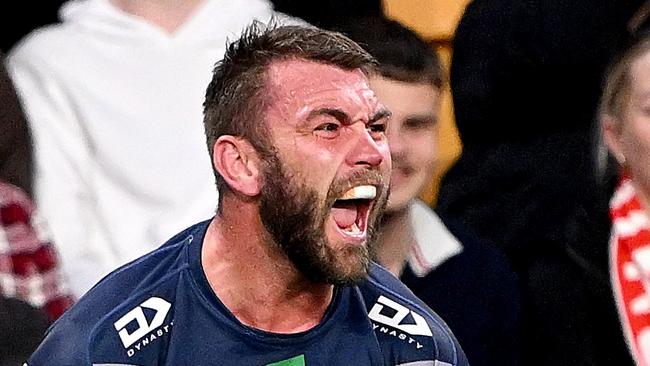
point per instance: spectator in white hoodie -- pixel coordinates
(111, 97)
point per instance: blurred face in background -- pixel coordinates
(412, 136)
(628, 136)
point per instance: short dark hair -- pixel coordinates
(401, 53)
(236, 99)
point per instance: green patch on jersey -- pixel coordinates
(293, 361)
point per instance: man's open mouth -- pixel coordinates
(351, 210)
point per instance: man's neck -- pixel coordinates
(395, 241)
(166, 14)
(255, 280)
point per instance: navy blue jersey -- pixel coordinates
(160, 310)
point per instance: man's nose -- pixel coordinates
(366, 151)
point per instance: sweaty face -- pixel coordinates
(412, 136)
(633, 135)
(326, 185)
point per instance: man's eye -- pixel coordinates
(414, 124)
(328, 127)
(328, 130)
(419, 123)
(377, 127)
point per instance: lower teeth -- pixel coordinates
(353, 229)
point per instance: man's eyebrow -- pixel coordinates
(380, 114)
(334, 112)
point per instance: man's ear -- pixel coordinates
(239, 164)
(612, 137)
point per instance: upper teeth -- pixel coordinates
(360, 192)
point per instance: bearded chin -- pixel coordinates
(289, 211)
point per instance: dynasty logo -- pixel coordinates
(388, 312)
(145, 332)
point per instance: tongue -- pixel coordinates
(345, 214)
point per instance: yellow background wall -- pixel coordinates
(435, 21)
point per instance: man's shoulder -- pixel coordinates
(145, 272)
(382, 283)
(125, 306)
(407, 328)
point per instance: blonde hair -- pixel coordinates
(616, 90)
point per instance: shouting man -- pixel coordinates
(281, 275)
